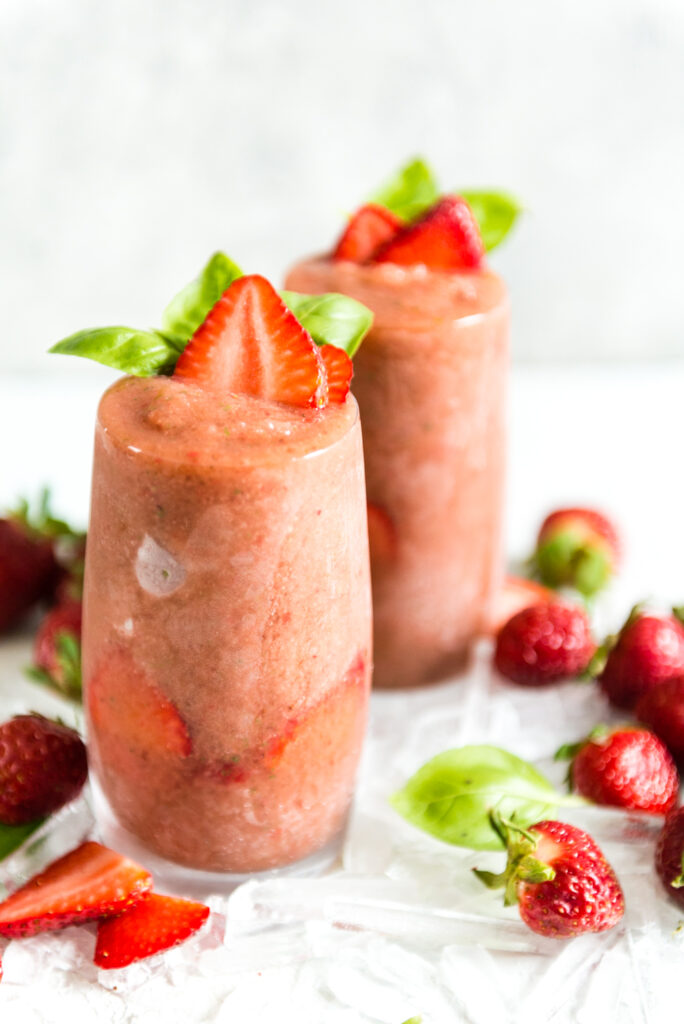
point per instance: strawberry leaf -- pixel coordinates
(411, 191)
(331, 319)
(495, 212)
(189, 308)
(140, 353)
(451, 796)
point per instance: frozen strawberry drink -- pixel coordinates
(227, 632)
(430, 381)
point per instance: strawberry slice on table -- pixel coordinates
(90, 881)
(515, 594)
(370, 227)
(153, 925)
(446, 237)
(133, 713)
(250, 343)
(339, 370)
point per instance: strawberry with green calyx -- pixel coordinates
(648, 650)
(544, 644)
(559, 878)
(91, 881)
(57, 650)
(577, 547)
(226, 330)
(623, 767)
(30, 540)
(43, 766)
(661, 709)
(669, 857)
(152, 925)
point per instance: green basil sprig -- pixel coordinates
(410, 192)
(451, 796)
(414, 189)
(330, 319)
(189, 308)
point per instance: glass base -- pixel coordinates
(179, 880)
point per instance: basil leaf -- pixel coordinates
(141, 353)
(410, 192)
(188, 309)
(331, 319)
(495, 212)
(12, 836)
(451, 796)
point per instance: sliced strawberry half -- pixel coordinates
(369, 228)
(251, 344)
(515, 594)
(131, 711)
(446, 237)
(153, 925)
(91, 881)
(339, 370)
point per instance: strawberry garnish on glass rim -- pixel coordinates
(250, 343)
(446, 237)
(370, 227)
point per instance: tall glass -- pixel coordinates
(430, 380)
(227, 626)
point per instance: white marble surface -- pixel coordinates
(576, 434)
(138, 136)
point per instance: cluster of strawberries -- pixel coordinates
(542, 638)
(41, 563)
(43, 766)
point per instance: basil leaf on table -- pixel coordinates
(451, 796)
(188, 309)
(331, 319)
(495, 212)
(410, 192)
(141, 353)
(12, 836)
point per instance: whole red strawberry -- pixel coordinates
(57, 649)
(544, 643)
(662, 709)
(577, 547)
(669, 858)
(648, 650)
(28, 571)
(624, 767)
(43, 766)
(560, 879)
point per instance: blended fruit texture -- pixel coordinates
(430, 380)
(227, 622)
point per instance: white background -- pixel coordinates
(136, 137)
